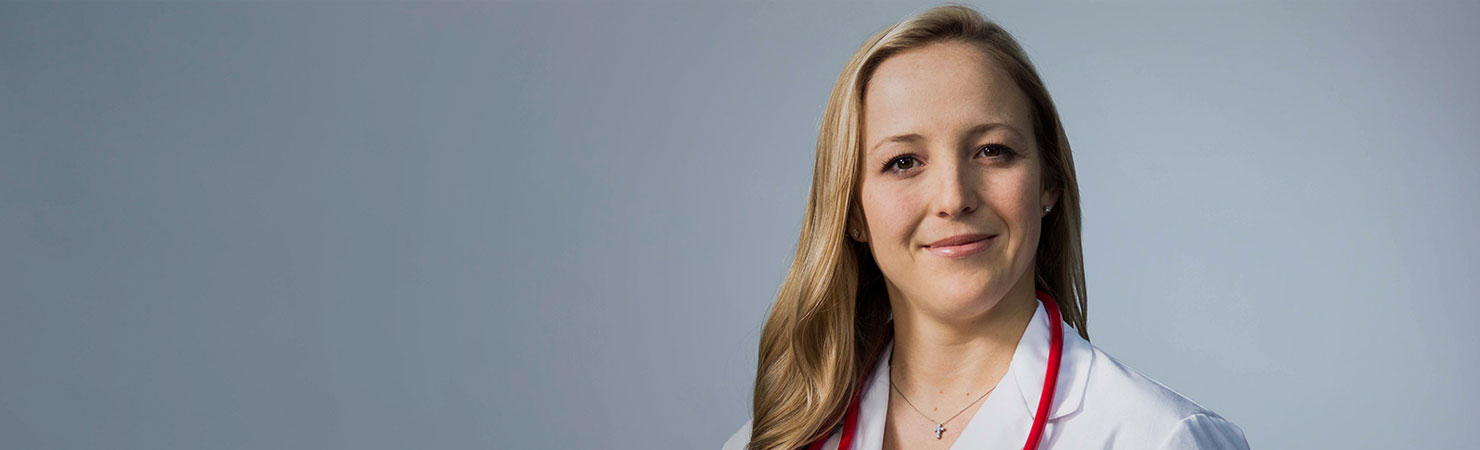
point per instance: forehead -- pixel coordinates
(940, 88)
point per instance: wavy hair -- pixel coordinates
(830, 319)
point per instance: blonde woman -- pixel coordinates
(937, 296)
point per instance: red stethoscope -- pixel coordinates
(1055, 349)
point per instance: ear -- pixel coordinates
(1050, 196)
(857, 221)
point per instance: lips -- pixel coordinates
(959, 240)
(961, 245)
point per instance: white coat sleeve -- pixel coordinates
(1205, 432)
(740, 439)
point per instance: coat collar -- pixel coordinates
(1030, 362)
(1002, 419)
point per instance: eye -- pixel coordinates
(998, 151)
(902, 162)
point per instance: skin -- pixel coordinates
(957, 321)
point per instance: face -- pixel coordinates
(948, 152)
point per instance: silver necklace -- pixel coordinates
(940, 427)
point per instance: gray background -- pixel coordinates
(504, 225)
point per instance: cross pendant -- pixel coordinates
(938, 429)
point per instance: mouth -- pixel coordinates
(961, 246)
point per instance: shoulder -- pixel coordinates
(740, 439)
(1141, 412)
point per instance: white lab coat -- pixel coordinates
(1099, 403)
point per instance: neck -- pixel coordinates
(938, 355)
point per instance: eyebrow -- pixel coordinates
(915, 137)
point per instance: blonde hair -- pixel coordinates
(830, 319)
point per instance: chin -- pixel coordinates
(957, 308)
(974, 293)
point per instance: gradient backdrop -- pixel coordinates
(515, 225)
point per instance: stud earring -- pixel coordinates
(1047, 208)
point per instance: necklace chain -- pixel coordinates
(939, 425)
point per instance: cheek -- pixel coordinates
(888, 213)
(1016, 200)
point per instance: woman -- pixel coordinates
(939, 259)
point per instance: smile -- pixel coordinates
(963, 249)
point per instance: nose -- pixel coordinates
(956, 194)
